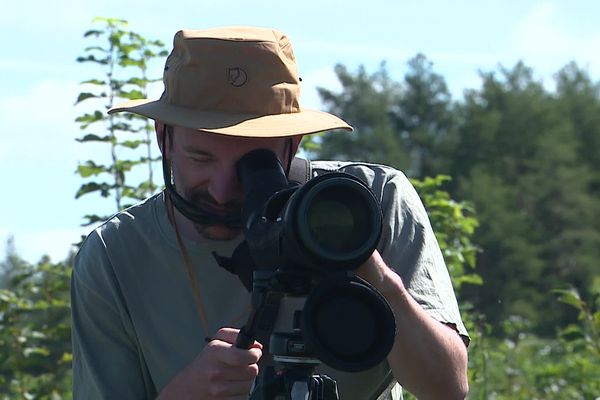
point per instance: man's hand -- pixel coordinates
(220, 371)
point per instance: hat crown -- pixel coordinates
(240, 69)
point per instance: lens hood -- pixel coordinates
(332, 223)
(348, 324)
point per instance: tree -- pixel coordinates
(424, 118)
(517, 160)
(121, 51)
(579, 102)
(406, 125)
(366, 102)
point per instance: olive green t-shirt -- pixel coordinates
(135, 320)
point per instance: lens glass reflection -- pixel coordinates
(337, 220)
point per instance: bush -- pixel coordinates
(35, 330)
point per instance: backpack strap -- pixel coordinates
(300, 171)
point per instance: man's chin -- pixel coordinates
(217, 232)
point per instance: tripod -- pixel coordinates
(294, 379)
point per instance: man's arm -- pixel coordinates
(428, 358)
(106, 363)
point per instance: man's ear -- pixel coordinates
(159, 127)
(296, 143)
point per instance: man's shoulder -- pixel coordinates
(141, 213)
(121, 230)
(372, 174)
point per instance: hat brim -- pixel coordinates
(247, 125)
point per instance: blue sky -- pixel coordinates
(40, 79)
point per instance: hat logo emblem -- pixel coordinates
(236, 76)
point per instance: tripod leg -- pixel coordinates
(323, 387)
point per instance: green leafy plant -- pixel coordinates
(454, 224)
(123, 57)
(35, 330)
(523, 366)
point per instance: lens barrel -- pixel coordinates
(332, 223)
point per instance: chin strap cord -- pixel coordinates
(190, 268)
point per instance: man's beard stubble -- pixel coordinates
(202, 199)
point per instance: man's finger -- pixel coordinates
(229, 335)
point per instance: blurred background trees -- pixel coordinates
(525, 158)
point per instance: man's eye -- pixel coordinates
(200, 160)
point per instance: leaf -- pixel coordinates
(138, 81)
(472, 279)
(85, 96)
(132, 144)
(571, 333)
(92, 58)
(90, 168)
(42, 351)
(7, 296)
(93, 82)
(90, 137)
(93, 32)
(131, 94)
(129, 62)
(125, 165)
(570, 297)
(88, 119)
(91, 187)
(98, 48)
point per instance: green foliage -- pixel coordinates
(424, 118)
(519, 160)
(119, 53)
(584, 335)
(365, 103)
(35, 330)
(454, 224)
(523, 366)
(524, 158)
(527, 161)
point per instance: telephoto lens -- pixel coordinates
(305, 243)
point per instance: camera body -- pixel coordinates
(305, 243)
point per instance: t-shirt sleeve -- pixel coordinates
(106, 361)
(409, 246)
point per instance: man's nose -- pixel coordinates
(225, 186)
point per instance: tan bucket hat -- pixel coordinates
(239, 81)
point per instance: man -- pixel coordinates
(147, 291)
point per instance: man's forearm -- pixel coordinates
(428, 358)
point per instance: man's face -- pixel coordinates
(204, 171)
